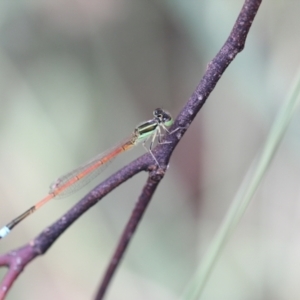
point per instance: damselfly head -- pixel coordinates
(162, 116)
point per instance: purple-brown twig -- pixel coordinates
(17, 260)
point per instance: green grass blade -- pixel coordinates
(245, 193)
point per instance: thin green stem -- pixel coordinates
(245, 193)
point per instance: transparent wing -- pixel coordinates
(81, 176)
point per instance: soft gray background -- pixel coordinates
(77, 76)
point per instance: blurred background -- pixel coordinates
(77, 76)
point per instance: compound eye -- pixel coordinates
(162, 115)
(157, 111)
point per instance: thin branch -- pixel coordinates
(234, 44)
(215, 69)
(18, 259)
(137, 214)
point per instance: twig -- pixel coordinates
(143, 201)
(234, 44)
(17, 260)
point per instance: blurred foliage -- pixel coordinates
(77, 77)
